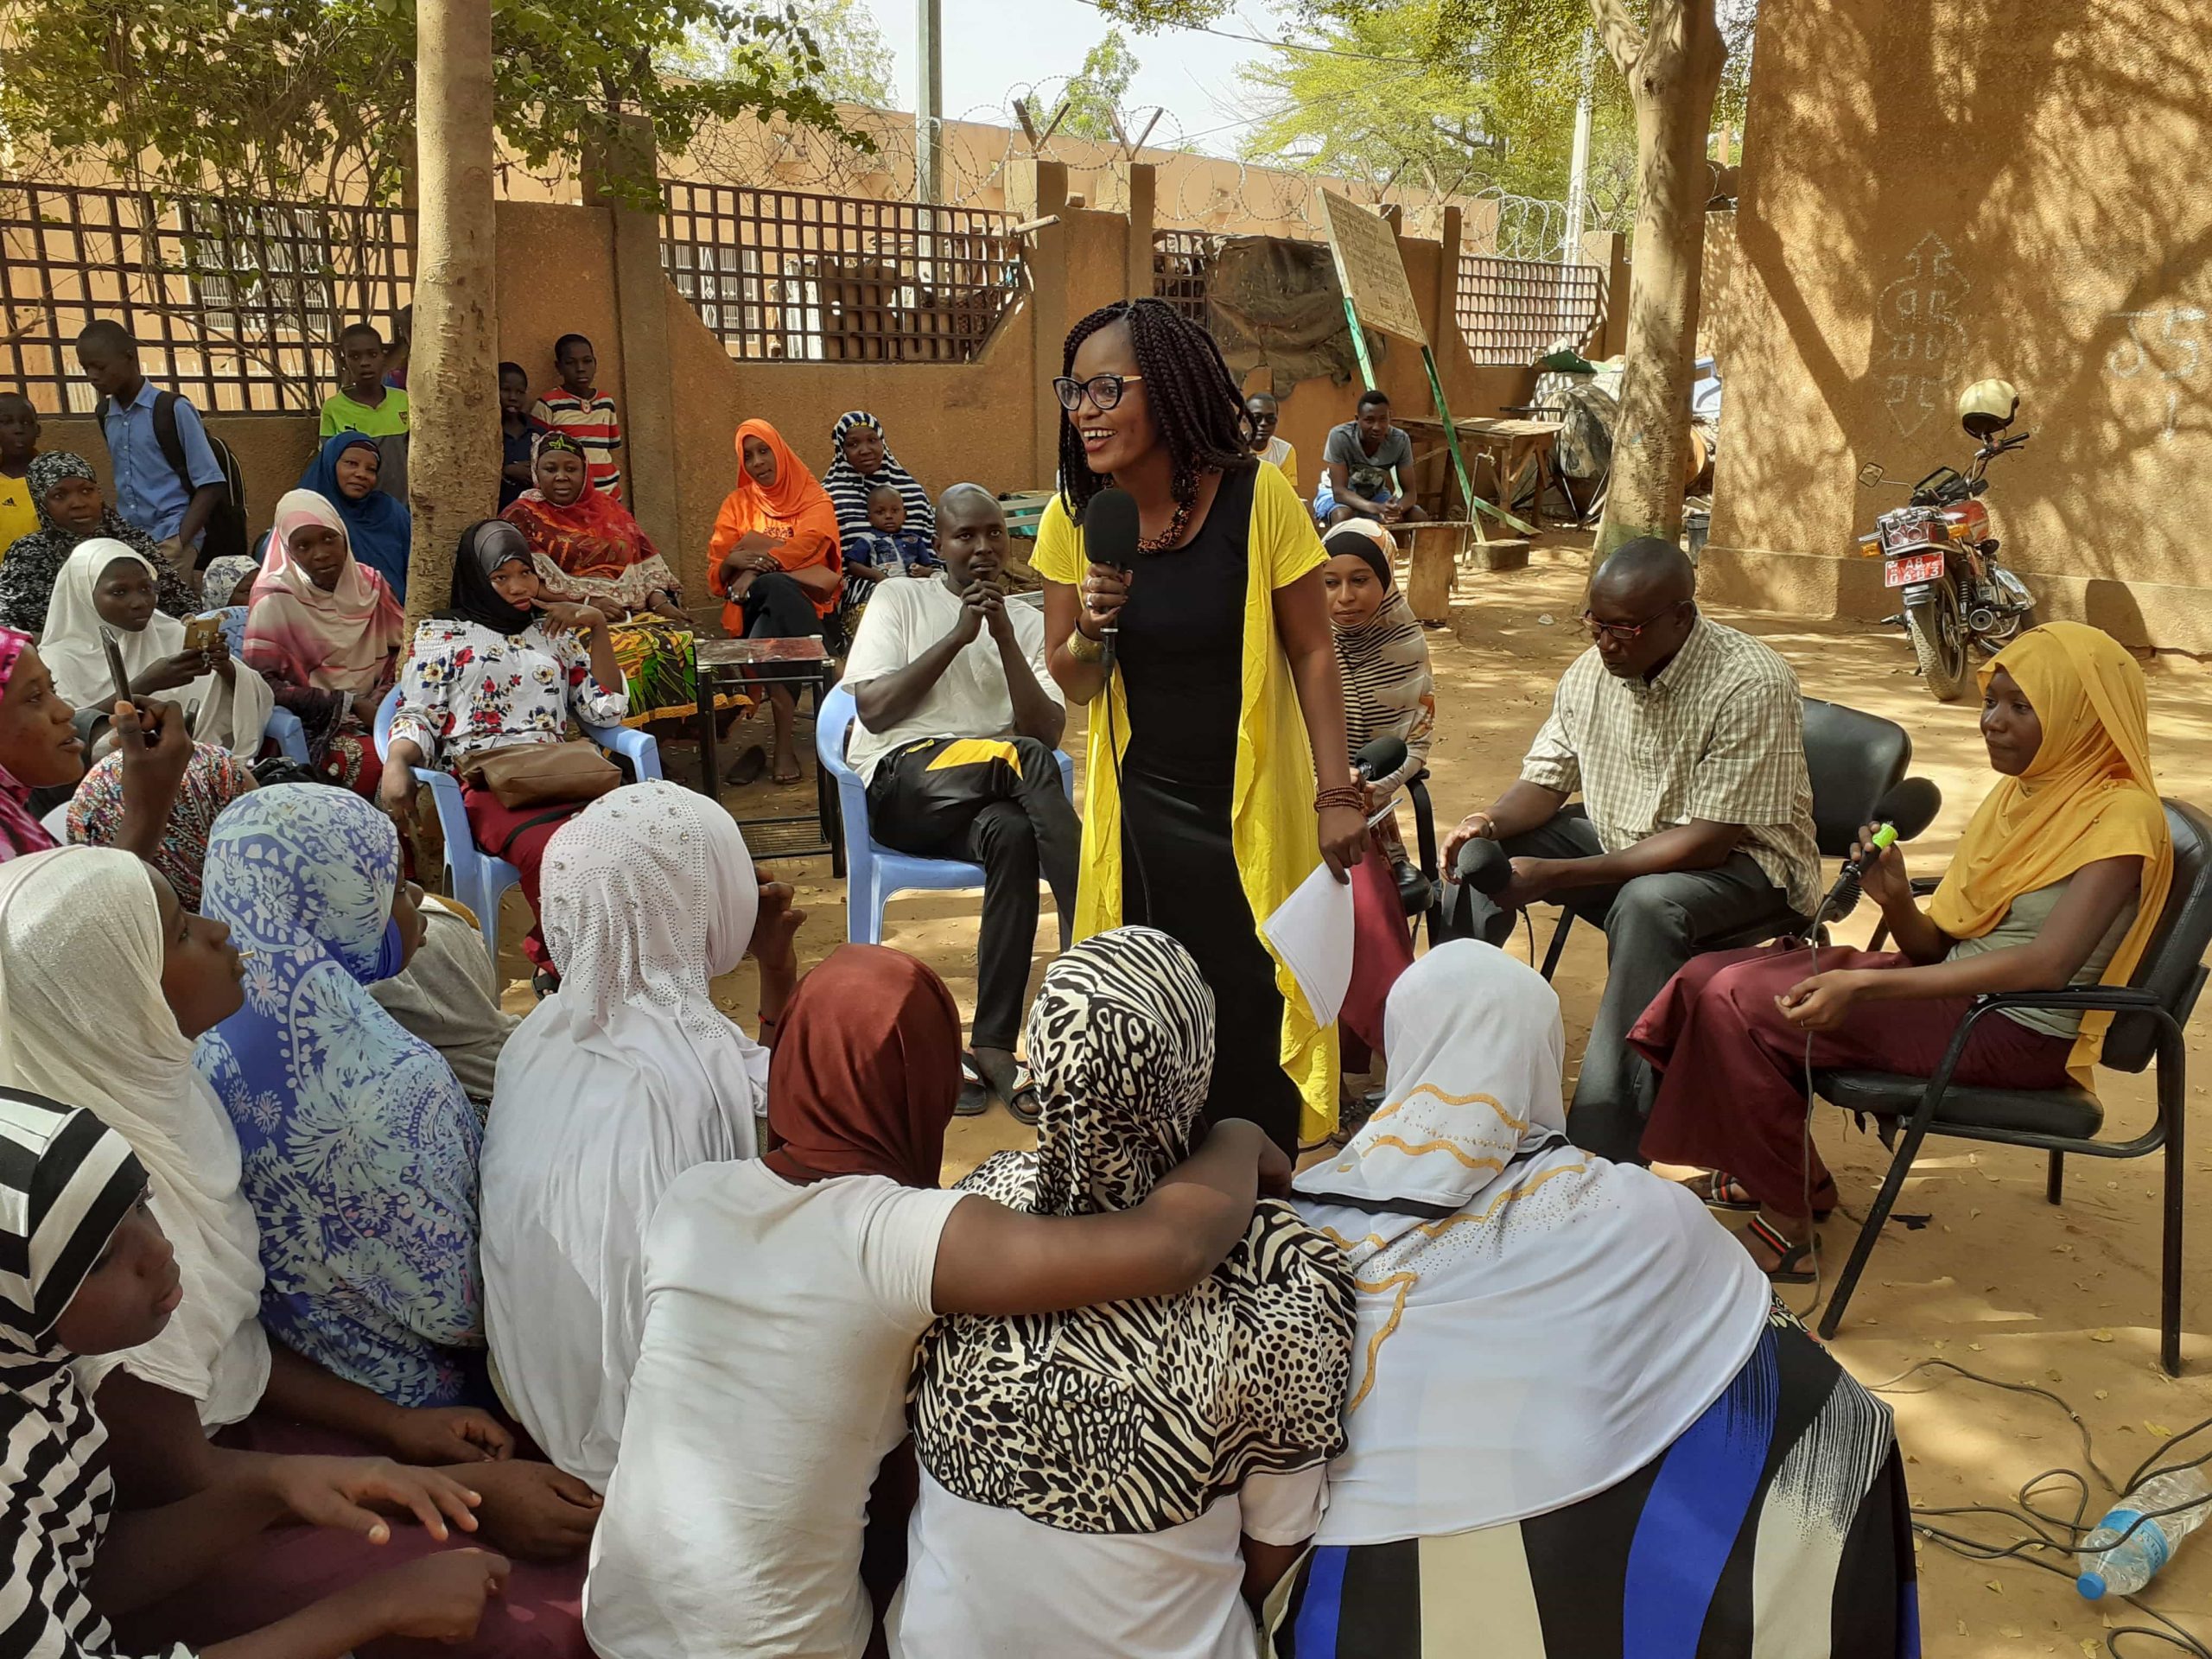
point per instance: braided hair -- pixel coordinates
(1195, 402)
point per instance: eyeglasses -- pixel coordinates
(1104, 390)
(1624, 633)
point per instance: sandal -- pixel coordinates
(796, 774)
(747, 768)
(974, 1088)
(1790, 1270)
(1021, 1102)
(1710, 1190)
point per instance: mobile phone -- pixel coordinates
(115, 669)
(203, 633)
(115, 672)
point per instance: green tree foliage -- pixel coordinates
(1367, 96)
(857, 65)
(1095, 92)
(309, 99)
(1454, 96)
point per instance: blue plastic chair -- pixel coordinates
(874, 873)
(473, 877)
(290, 737)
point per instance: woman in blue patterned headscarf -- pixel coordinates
(360, 1146)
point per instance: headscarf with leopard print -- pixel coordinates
(1132, 1417)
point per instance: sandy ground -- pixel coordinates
(1998, 1281)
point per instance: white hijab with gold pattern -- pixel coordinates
(1534, 1322)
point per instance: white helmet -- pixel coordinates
(1987, 407)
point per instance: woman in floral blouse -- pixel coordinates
(501, 666)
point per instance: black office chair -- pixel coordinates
(1854, 758)
(2151, 1008)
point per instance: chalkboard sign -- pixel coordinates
(1367, 267)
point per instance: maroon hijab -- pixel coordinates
(866, 1070)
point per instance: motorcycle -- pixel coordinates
(1960, 601)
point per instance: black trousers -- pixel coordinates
(1653, 926)
(777, 608)
(996, 801)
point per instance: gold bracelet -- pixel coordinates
(1083, 648)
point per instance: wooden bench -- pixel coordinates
(1025, 511)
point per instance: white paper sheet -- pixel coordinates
(1312, 931)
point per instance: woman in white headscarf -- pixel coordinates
(616, 1084)
(107, 587)
(1576, 1423)
(83, 1019)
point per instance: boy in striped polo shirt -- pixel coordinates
(576, 407)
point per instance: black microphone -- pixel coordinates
(1380, 759)
(1900, 814)
(1484, 865)
(1110, 536)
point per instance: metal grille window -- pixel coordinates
(1181, 263)
(781, 274)
(235, 304)
(1513, 311)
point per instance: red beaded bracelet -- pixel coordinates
(1350, 795)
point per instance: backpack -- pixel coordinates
(225, 535)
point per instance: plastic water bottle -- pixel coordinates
(2112, 1568)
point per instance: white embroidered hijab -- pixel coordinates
(1534, 1322)
(614, 1086)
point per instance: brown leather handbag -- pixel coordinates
(524, 775)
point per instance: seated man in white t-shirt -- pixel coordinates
(958, 724)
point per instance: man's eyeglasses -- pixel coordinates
(1625, 633)
(1105, 391)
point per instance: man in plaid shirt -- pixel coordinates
(1686, 741)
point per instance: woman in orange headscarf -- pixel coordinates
(774, 562)
(2058, 881)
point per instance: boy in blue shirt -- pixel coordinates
(887, 547)
(170, 500)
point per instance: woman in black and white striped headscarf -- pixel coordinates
(1093, 1481)
(864, 465)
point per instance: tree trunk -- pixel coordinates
(1673, 73)
(453, 464)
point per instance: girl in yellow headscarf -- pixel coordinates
(2059, 880)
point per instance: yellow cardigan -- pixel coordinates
(1271, 826)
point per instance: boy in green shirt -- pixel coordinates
(363, 403)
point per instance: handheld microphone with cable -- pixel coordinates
(1110, 536)
(1900, 814)
(1483, 865)
(1379, 759)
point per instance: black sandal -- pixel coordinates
(1022, 1102)
(1788, 1269)
(974, 1088)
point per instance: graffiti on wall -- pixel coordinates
(1924, 341)
(2165, 346)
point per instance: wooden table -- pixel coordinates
(1510, 443)
(738, 664)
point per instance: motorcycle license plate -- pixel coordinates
(1911, 568)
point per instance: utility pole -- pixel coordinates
(1578, 178)
(454, 459)
(929, 100)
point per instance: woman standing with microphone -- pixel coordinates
(1202, 812)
